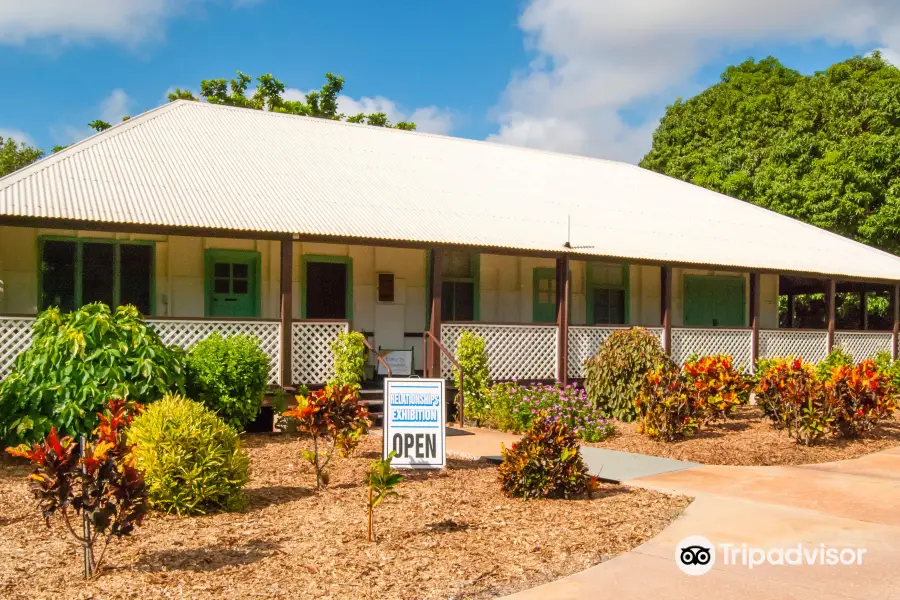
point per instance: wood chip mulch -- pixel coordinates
(749, 439)
(452, 534)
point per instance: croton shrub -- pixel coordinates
(101, 483)
(545, 463)
(335, 420)
(675, 403)
(847, 402)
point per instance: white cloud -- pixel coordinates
(429, 119)
(596, 57)
(122, 21)
(891, 56)
(115, 106)
(16, 134)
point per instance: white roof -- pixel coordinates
(197, 165)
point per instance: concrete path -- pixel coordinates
(852, 504)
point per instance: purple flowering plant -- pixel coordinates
(513, 407)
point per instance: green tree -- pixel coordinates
(14, 156)
(269, 95)
(823, 148)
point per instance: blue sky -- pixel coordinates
(584, 76)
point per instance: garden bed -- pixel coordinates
(749, 439)
(451, 534)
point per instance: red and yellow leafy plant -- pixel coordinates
(717, 385)
(545, 463)
(101, 484)
(334, 419)
(667, 406)
(861, 396)
(795, 399)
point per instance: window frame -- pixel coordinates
(79, 266)
(625, 286)
(327, 258)
(475, 279)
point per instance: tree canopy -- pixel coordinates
(823, 148)
(14, 156)
(269, 95)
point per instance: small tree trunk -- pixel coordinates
(316, 465)
(370, 512)
(86, 522)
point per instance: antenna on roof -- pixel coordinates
(568, 243)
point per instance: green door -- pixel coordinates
(713, 301)
(544, 295)
(232, 284)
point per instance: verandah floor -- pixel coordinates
(452, 533)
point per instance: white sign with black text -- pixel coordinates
(415, 422)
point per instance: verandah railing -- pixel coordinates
(515, 351)
(310, 353)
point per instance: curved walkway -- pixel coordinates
(853, 503)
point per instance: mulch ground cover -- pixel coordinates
(749, 439)
(452, 534)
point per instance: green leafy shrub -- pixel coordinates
(795, 400)
(349, 351)
(836, 358)
(229, 376)
(100, 483)
(192, 460)
(472, 357)
(381, 480)
(75, 363)
(862, 396)
(615, 375)
(889, 367)
(512, 407)
(545, 463)
(334, 419)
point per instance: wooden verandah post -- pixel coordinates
(287, 302)
(665, 307)
(830, 286)
(434, 326)
(562, 319)
(895, 338)
(754, 320)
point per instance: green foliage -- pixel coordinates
(472, 358)
(512, 407)
(229, 376)
(101, 482)
(349, 351)
(545, 463)
(836, 358)
(615, 375)
(823, 148)
(193, 461)
(14, 156)
(381, 481)
(269, 95)
(888, 367)
(76, 361)
(334, 419)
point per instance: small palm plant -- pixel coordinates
(382, 482)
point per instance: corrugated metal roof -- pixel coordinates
(192, 164)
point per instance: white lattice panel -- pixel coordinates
(811, 346)
(584, 342)
(185, 334)
(736, 343)
(311, 355)
(15, 337)
(863, 345)
(514, 351)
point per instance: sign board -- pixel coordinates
(400, 362)
(415, 422)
